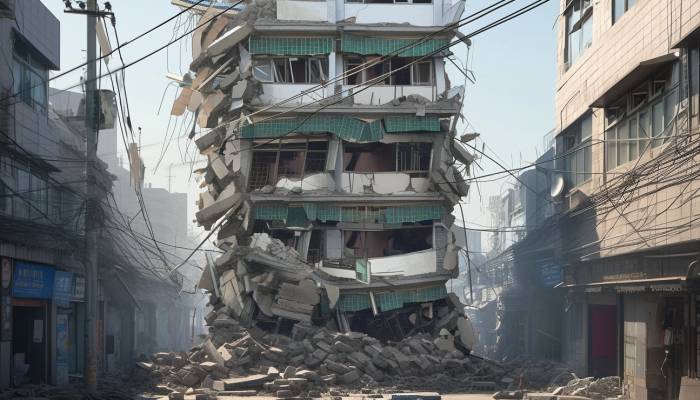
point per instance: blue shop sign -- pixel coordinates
(551, 275)
(63, 288)
(32, 281)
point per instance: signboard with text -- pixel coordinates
(63, 288)
(33, 281)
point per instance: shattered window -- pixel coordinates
(263, 70)
(281, 70)
(298, 69)
(422, 73)
(291, 69)
(291, 160)
(318, 70)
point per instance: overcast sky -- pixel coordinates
(511, 105)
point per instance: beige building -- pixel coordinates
(627, 108)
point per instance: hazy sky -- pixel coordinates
(511, 105)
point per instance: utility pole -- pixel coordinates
(92, 214)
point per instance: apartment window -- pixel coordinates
(412, 158)
(641, 119)
(406, 71)
(576, 151)
(38, 197)
(9, 183)
(291, 69)
(22, 205)
(620, 7)
(286, 160)
(579, 29)
(28, 76)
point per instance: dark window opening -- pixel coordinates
(315, 246)
(291, 69)
(375, 157)
(413, 157)
(286, 160)
(388, 243)
(262, 169)
(402, 74)
(351, 65)
(392, 157)
(291, 164)
(398, 71)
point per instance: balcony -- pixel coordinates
(383, 182)
(378, 95)
(277, 92)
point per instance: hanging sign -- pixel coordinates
(32, 281)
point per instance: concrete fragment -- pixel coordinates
(349, 377)
(246, 382)
(467, 335)
(229, 39)
(180, 104)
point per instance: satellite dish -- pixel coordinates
(557, 187)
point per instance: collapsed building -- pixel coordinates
(333, 163)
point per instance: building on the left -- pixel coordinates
(42, 238)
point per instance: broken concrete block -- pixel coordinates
(224, 203)
(229, 39)
(467, 335)
(342, 347)
(246, 382)
(349, 377)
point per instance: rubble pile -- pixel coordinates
(236, 360)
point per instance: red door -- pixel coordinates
(602, 346)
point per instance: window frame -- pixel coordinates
(26, 68)
(362, 74)
(663, 90)
(271, 63)
(274, 172)
(576, 157)
(584, 16)
(420, 149)
(626, 6)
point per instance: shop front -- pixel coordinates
(42, 320)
